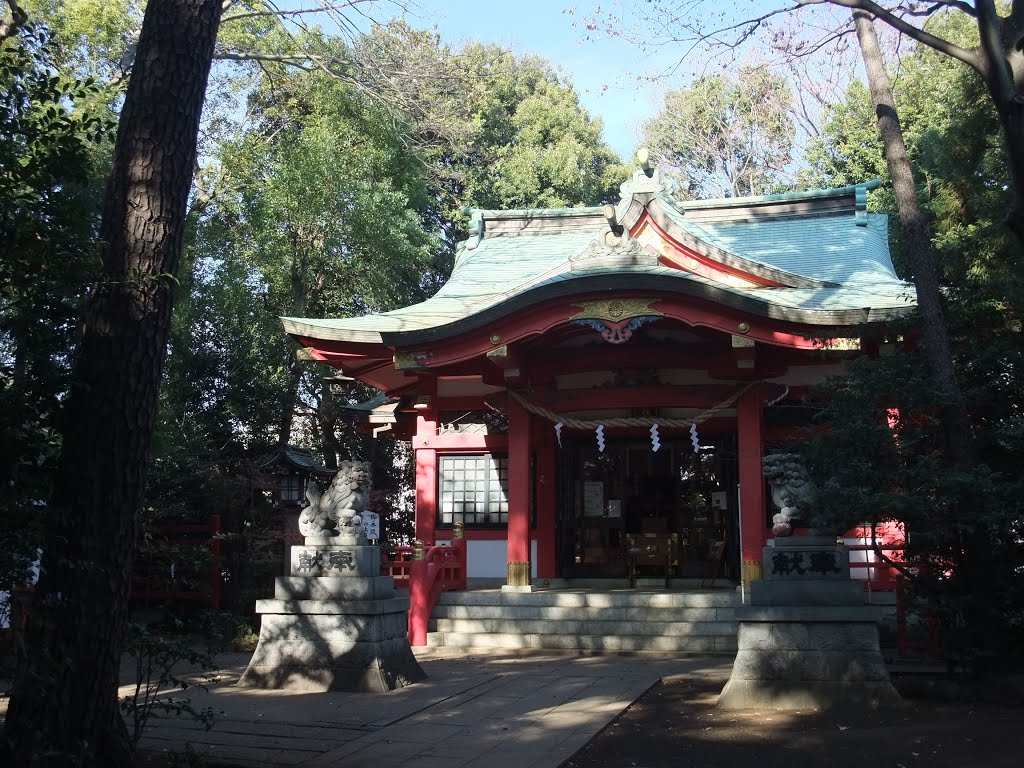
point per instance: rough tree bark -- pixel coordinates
(960, 440)
(64, 707)
(972, 562)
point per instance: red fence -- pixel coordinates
(876, 573)
(173, 576)
(426, 572)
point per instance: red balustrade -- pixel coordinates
(439, 569)
(150, 586)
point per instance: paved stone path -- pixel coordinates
(480, 710)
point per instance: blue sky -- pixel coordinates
(612, 77)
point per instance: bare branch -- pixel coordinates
(968, 57)
(292, 13)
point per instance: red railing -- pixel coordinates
(426, 572)
(882, 577)
(879, 576)
(148, 585)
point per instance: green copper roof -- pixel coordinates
(824, 244)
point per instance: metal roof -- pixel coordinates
(836, 252)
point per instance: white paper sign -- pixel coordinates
(371, 525)
(593, 499)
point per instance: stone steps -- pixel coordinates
(617, 621)
(674, 646)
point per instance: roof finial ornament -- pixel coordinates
(643, 156)
(611, 216)
(645, 183)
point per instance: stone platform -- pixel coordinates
(343, 628)
(812, 658)
(807, 641)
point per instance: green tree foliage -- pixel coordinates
(954, 141)
(536, 147)
(725, 136)
(497, 130)
(965, 526)
(51, 151)
(880, 459)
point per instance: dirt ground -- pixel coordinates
(676, 724)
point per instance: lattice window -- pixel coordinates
(473, 490)
(292, 488)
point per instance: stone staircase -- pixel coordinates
(588, 621)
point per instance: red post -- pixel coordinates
(419, 597)
(518, 495)
(544, 440)
(750, 439)
(426, 494)
(426, 475)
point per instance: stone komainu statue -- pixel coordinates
(792, 490)
(335, 512)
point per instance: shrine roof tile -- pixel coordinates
(507, 267)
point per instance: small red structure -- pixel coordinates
(591, 375)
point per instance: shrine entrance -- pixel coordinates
(630, 511)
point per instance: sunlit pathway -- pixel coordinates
(476, 710)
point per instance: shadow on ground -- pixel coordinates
(676, 724)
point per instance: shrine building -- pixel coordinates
(590, 379)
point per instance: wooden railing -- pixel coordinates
(426, 572)
(155, 581)
(877, 575)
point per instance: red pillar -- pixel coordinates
(518, 495)
(750, 439)
(426, 476)
(419, 596)
(544, 442)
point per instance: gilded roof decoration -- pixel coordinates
(614, 310)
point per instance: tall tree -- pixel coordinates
(725, 136)
(337, 225)
(959, 438)
(64, 707)
(798, 28)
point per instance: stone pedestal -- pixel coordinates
(335, 624)
(807, 641)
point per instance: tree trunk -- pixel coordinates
(287, 416)
(956, 423)
(979, 613)
(64, 707)
(327, 415)
(998, 47)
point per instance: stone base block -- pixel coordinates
(316, 646)
(333, 588)
(805, 561)
(809, 592)
(808, 665)
(335, 561)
